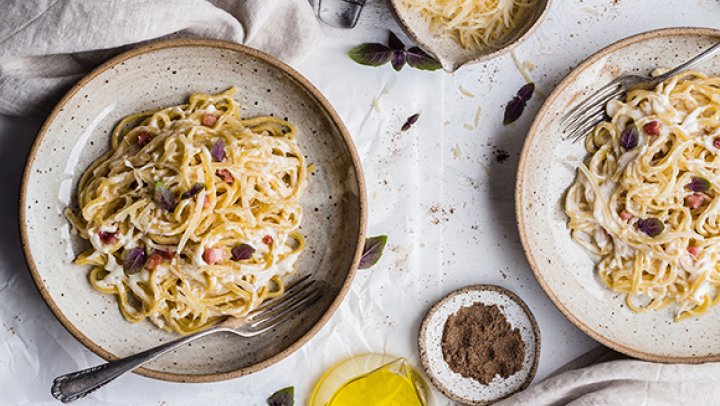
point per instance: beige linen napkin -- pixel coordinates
(47, 45)
(625, 382)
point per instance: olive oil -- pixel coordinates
(371, 380)
(389, 385)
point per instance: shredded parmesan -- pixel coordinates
(465, 92)
(523, 68)
(474, 24)
(478, 112)
(375, 103)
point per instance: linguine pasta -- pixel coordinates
(193, 214)
(645, 199)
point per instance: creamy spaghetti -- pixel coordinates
(474, 23)
(193, 214)
(645, 199)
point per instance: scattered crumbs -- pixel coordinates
(457, 152)
(401, 262)
(590, 10)
(312, 168)
(504, 275)
(468, 127)
(500, 154)
(375, 103)
(17, 317)
(440, 214)
(465, 92)
(485, 168)
(446, 123)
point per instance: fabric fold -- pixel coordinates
(46, 46)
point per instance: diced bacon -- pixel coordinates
(268, 240)
(107, 237)
(213, 255)
(695, 200)
(225, 175)
(209, 120)
(153, 261)
(652, 128)
(165, 254)
(625, 215)
(716, 142)
(693, 250)
(143, 138)
(206, 203)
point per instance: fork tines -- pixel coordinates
(588, 113)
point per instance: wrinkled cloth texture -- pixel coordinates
(48, 45)
(626, 382)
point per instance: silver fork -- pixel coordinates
(586, 115)
(298, 296)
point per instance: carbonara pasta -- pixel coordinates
(645, 199)
(474, 23)
(193, 214)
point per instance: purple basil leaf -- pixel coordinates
(394, 42)
(650, 226)
(513, 110)
(283, 397)
(164, 197)
(195, 189)
(218, 151)
(698, 185)
(526, 92)
(242, 252)
(373, 251)
(629, 137)
(398, 60)
(371, 54)
(410, 121)
(419, 59)
(134, 261)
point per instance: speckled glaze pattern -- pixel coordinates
(163, 74)
(547, 168)
(447, 50)
(467, 390)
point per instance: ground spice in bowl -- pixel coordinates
(479, 343)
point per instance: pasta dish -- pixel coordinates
(193, 214)
(474, 23)
(645, 202)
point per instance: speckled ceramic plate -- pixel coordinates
(547, 168)
(448, 51)
(466, 390)
(164, 74)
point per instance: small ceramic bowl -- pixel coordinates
(466, 390)
(448, 51)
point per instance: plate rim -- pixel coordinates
(302, 82)
(519, 186)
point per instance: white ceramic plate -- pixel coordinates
(164, 74)
(547, 168)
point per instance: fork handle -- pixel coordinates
(76, 385)
(708, 53)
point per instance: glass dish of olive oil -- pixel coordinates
(371, 380)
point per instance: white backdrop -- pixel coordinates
(443, 192)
